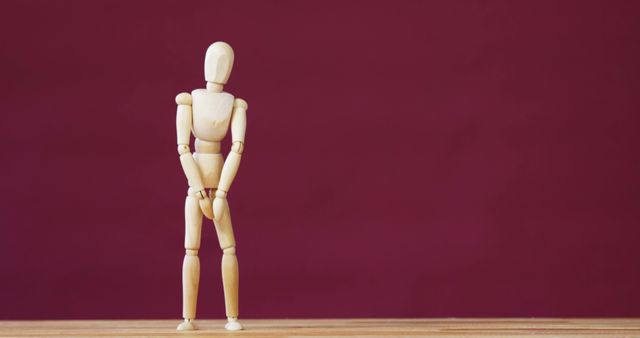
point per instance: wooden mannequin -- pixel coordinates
(208, 113)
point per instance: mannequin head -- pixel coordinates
(218, 63)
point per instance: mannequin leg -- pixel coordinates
(191, 263)
(230, 272)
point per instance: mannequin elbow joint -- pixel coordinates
(183, 149)
(237, 147)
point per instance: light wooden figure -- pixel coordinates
(209, 113)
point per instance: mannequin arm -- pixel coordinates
(231, 164)
(183, 127)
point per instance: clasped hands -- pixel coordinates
(212, 210)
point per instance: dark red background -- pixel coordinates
(403, 158)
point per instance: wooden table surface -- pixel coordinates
(332, 328)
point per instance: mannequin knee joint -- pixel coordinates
(229, 251)
(191, 252)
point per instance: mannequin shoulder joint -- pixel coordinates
(184, 99)
(240, 103)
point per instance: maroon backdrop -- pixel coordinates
(403, 158)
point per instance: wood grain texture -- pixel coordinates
(332, 328)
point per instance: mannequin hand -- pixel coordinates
(206, 207)
(204, 201)
(219, 204)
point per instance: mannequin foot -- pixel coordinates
(187, 325)
(233, 324)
